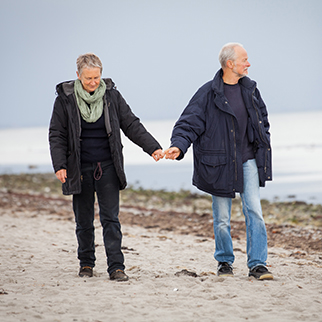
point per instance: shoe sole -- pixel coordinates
(263, 277)
(124, 279)
(266, 277)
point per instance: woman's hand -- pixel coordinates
(61, 175)
(157, 155)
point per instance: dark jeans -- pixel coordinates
(107, 191)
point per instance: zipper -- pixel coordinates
(77, 152)
(107, 121)
(235, 147)
(260, 132)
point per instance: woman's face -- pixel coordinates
(90, 78)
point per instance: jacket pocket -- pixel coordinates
(214, 160)
(213, 171)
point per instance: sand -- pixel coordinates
(39, 281)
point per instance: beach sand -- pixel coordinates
(172, 275)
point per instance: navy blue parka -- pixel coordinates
(209, 123)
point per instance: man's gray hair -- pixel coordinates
(227, 52)
(88, 60)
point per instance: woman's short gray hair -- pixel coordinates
(88, 60)
(227, 52)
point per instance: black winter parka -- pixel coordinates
(65, 133)
(209, 123)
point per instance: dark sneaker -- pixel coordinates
(86, 271)
(224, 269)
(261, 273)
(119, 276)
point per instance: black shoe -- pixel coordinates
(224, 269)
(261, 273)
(86, 271)
(119, 276)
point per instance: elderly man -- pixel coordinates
(226, 120)
(86, 151)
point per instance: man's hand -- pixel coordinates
(157, 155)
(61, 175)
(172, 153)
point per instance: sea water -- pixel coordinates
(296, 145)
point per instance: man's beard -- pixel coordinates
(239, 75)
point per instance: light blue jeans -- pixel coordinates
(255, 225)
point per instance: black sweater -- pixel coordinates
(95, 145)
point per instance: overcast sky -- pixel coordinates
(157, 52)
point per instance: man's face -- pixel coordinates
(241, 64)
(90, 78)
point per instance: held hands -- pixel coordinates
(171, 153)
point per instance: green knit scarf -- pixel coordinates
(92, 113)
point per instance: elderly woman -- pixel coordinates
(86, 152)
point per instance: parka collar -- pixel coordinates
(218, 84)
